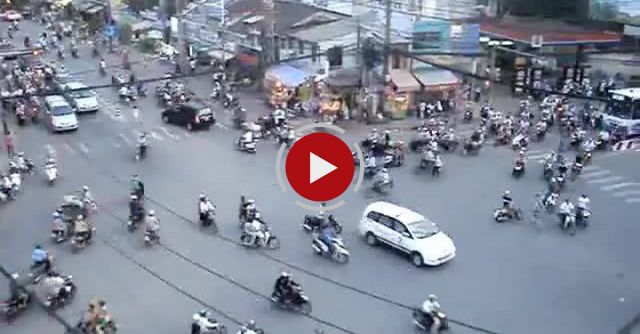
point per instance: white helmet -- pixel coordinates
(203, 196)
(384, 170)
(152, 213)
(507, 192)
(85, 188)
(56, 214)
(251, 201)
(134, 197)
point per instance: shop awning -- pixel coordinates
(404, 81)
(288, 75)
(435, 77)
(217, 54)
(141, 26)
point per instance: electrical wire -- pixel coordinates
(230, 240)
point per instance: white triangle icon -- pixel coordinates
(318, 168)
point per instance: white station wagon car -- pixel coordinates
(408, 231)
(80, 97)
(60, 115)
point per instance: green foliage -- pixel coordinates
(125, 33)
(147, 45)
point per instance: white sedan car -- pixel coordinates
(11, 15)
(407, 231)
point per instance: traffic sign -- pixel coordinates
(319, 167)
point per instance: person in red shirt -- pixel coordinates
(8, 143)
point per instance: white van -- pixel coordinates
(408, 231)
(60, 115)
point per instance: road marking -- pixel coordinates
(595, 174)
(125, 139)
(84, 148)
(620, 185)
(607, 179)
(155, 136)
(588, 168)
(632, 200)
(625, 193)
(168, 133)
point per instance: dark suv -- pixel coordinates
(192, 115)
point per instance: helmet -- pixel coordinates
(284, 274)
(203, 313)
(134, 197)
(56, 214)
(59, 210)
(152, 213)
(251, 323)
(15, 276)
(251, 201)
(507, 192)
(384, 170)
(85, 188)
(203, 196)
(432, 297)
(387, 131)
(374, 130)
(79, 217)
(21, 154)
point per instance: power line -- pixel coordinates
(274, 259)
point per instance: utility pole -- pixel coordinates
(222, 41)
(181, 43)
(387, 48)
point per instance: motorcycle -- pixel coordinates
(12, 308)
(576, 169)
(560, 179)
(382, 186)
(230, 101)
(568, 222)
(309, 224)
(215, 328)
(264, 240)
(141, 151)
(336, 250)
(16, 182)
(427, 159)
(80, 241)
(208, 218)
(56, 302)
(502, 215)
(249, 147)
(468, 115)
(582, 218)
(52, 174)
(74, 53)
(471, 147)
(102, 70)
(21, 117)
(518, 170)
(551, 202)
(424, 323)
(151, 238)
(134, 220)
(297, 303)
(547, 171)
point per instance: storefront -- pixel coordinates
(284, 84)
(346, 84)
(400, 90)
(437, 84)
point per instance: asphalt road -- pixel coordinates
(506, 278)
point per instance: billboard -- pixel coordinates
(620, 11)
(445, 36)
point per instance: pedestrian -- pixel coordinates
(8, 143)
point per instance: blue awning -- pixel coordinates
(288, 75)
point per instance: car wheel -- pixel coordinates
(371, 239)
(165, 119)
(417, 260)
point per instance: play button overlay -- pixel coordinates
(319, 167)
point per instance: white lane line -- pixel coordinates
(155, 136)
(632, 200)
(607, 179)
(595, 174)
(84, 148)
(540, 157)
(626, 193)
(588, 168)
(619, 186)
(125, 139)
(168, 133)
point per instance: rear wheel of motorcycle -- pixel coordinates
(342, 258)
(273, 243)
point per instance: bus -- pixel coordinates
(623, 111)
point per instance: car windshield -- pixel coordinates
(203, 112)
(79, 94)
(423, 229)
(61, 110)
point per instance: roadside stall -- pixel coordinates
(400, 89)
(437, 85)
(330, 106)
(283, 84)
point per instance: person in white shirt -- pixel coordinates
(430, 308)
(203, 323)
(566, 208)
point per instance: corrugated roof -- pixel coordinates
(325, 32)
(404, 80)
(435, 77)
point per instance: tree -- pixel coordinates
(125, 33)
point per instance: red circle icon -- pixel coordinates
(319, 167)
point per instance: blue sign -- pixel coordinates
(111, 31)
(445, 36)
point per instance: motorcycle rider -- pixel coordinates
(250, 327)
(430, 309)
(279, 116)
(136, 208)
(326, 235)
(22, 163)
(370, 162)
(40, 257)
(137, 186)
(82, 228)
(437, 165)
(102, 65)
(50, 163)
(142, 142)
(283, 288)
(152, 224)
(246, 138)
(373, 136)
(253, 229)
(202, 323)
(18, 297)
(59, 226)
(507, 201)
(387, 138)
(584, 204)
(248, 209)
(382, 177)
(204, 207)
(565, 209)
(55, 287)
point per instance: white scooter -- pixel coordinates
(16, 181)
(51, 171)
